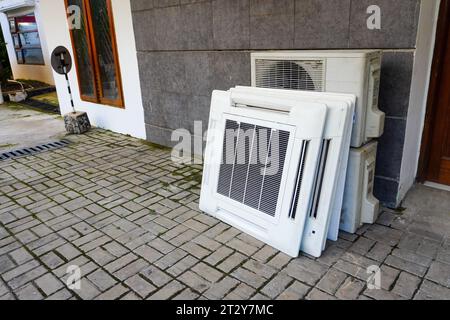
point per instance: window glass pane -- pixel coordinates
(105, 53)
(30, 40)
(81, 46)
(19, 57)
(33, 56)
(16, 41)
(26, 23)
(12, 25)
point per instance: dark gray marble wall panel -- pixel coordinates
(272, 24)
(399, 20)
(396, 79)
(159, 135)
(231, 24)
(390, 148)
(386, 191)
(322, 24)
(187, 27)
(165, 3)
(137, 5)
(177, 86)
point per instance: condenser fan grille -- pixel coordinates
(252, 166)
(290, 74)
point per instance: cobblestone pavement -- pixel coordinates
(128, 216)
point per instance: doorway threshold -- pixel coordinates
(437, 186)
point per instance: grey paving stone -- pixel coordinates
(101, 279)
(170, 259)
(194, 281)
(142, 287)
(6, 264)
(49, 284)
(279, 261)
(316, 294)
(379, 252)
(207, 272)
(29, 292)
(406, 285)
(295, 291)
(186, 295)
(52, 261)
(248, 277)
(168, 291)
(362, 245)
(101, 256)
(232, 262)
(382, 295)
(331, 281)
(121, 262)
(195, 250)
(156, 276)
(412, 257)
(132, 269)
(277, 285)
(62, 294)
(350, 289)
(114, 293)
(219, 290)
(405, 265)
(306, 270)
(148, 253)
(218, 255)
(260, 269)
(241, 292)
(432, 291)
(88, 291)
(439, 273)
(182, 265)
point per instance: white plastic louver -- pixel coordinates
(325, 212)
(265, 132)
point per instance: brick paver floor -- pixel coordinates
(128, 216)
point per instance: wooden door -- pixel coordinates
(437, 128)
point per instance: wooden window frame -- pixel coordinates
(93, 57)
(14, 30)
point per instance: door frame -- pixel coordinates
(443, 27)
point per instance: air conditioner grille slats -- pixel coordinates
(290, 74)
(300, 172)
(253, 176)
(320, 175)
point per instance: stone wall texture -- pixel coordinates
(188, 48)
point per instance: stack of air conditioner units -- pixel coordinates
(356, 72)
(275, 162)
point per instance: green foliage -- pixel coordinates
(5, 66)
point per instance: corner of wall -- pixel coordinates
(423, 59)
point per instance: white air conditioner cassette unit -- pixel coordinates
(360, 205)
(265, 185)
(326, 224)
(344, 71)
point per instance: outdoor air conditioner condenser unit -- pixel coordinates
(241, 187)
(346, 71)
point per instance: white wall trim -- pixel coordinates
(426, 38)
(129, 120)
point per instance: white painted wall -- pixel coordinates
(419, 94)
(23, 71)
(127, 121)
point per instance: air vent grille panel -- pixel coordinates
(253, 164)
(290, 74)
